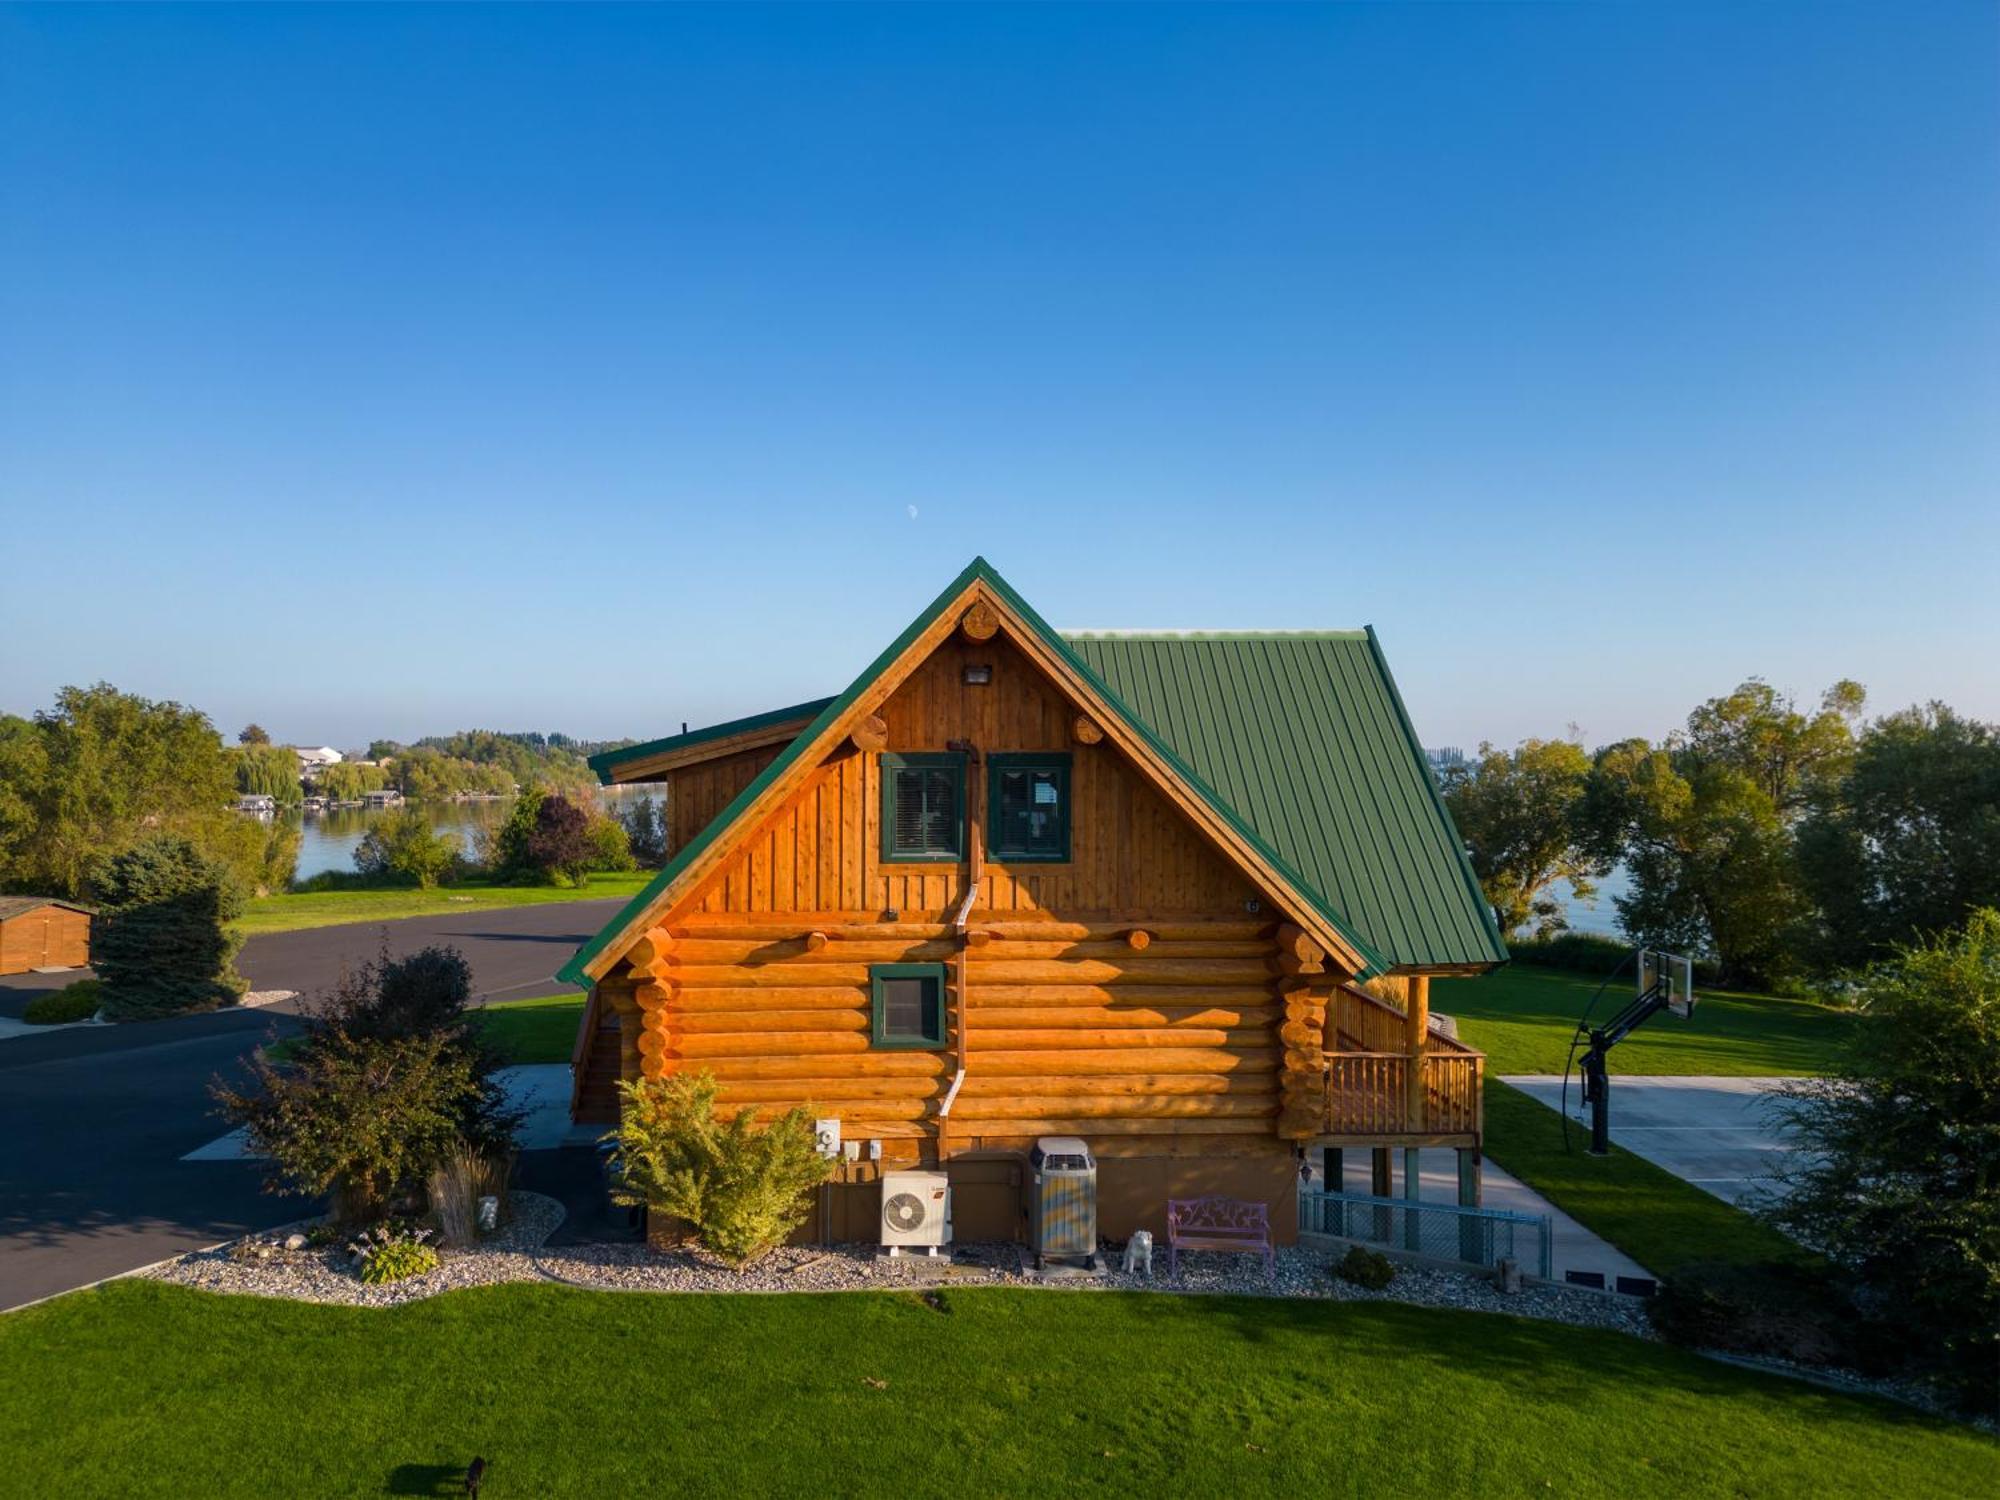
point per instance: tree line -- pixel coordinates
(101, 770)
(1787, 844)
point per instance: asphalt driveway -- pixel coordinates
(1717, 1133)
(94, 1120)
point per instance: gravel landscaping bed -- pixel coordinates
(260, 1265)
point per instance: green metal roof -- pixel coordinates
(1305, 737)
(1284, 813)
(606, 762)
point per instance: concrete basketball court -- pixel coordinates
(1718, 1133)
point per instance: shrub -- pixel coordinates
(510, 858)
(73, 1002)
(559, 846)
(389, 1080)
(394, 1254)
(424, 993)
(1896, 1179)
(1369, 1269)
(609, 848)
(158, 942)
(742, 1190)
(362, 1119)
(402, 845)
(1780, 1310)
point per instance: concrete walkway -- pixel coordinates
(1717, 1133)
(541, 1089)
(1574, 1247)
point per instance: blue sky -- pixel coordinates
(390, 371)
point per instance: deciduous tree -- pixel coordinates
(1520, 814)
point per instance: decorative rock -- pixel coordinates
(489, 1214)
(1510, 1276)
(295, 1242)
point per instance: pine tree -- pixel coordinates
(159, 941)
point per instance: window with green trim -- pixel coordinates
(908, 1004)
(923, 806)
(1027, 806)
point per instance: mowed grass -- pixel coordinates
(145, 1389)
(1522, 1018)
(293, 910)
(1656, 1218)
(541, 1029)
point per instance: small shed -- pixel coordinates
(42, 932)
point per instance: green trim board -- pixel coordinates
(879, 975)
(1416, 917)
(891, 763)
(605, 762)
(1055, 764)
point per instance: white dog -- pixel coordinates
(1139, 1253)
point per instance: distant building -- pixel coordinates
(389, 797)
(257, 802)
(315, 759)
(1445, 758)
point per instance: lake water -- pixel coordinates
(327, 840)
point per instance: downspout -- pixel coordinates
(974, 873)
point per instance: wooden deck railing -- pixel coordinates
(1368, 1077)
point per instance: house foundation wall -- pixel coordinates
(989, 1195)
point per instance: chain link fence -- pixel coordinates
(1477, 1236)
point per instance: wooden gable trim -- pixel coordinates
(830, 738)
(975, 605)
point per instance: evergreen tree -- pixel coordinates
(159, 941)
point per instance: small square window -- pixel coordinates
(1027, 807)
(908, 1004)
(923, 807)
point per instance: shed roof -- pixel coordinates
(16, 906)
(1305, 736)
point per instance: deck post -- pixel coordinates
(1469, 1247)
(1416, 1030)
(1413, 1239)
(1382, 1184)
(1333, 1169)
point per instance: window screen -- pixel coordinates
(1027, 807)
(909, 1005)
(923, 807)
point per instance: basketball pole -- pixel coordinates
(1596, 1074)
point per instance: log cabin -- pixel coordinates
(1180, 895)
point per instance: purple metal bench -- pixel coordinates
(1219, 1224)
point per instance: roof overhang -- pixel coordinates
(657, 758)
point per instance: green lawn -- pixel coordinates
(297, 909)
(541, 1030)
(1522, 1017)
(1646, 1211)
(143, 1389)
(538, 1030)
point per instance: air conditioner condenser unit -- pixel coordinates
(916, 1211)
